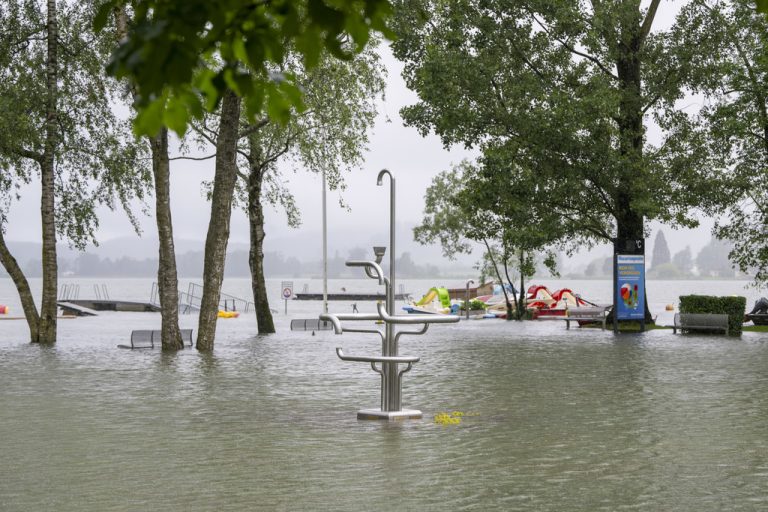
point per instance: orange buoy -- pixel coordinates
(670, 307)
(3, 309)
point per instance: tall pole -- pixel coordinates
(325, 251)
(390, 370)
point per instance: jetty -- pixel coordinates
(350, 296)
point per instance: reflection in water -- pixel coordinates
(565, 420)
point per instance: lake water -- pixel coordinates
(556, 419)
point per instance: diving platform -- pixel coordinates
(91, 307)
(71, 309)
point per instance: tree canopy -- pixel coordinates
(183, 54)
(98, 161)
(564, 90)
(732, 79)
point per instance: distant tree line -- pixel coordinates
(191, 265)
(712, 261)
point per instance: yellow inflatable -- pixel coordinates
(228, 314)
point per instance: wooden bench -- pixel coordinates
(147, 339)
(597, 314)
(700, 322)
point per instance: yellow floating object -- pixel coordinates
(670, 307)
(453, 418)
(228, 314)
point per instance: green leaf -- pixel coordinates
(103, 13)
(176, 114)
(149, 119)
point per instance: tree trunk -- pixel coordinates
(22, 285)
(221, 212)
(498, 275)
(167, 278)
(522, 303)
(47, 326)
(509, 280)
(264, 319)
(630, 223)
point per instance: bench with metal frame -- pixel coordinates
(147, 338)
(597, 314)
(310, 324)
(700, 322)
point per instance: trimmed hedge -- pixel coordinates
(734, 307)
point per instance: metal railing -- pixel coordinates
(69, 291)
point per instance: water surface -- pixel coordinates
(562, 420)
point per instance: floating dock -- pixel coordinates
(350, 296)
(90, 307)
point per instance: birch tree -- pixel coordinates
(58, 126)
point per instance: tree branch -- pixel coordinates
(645, 29)
(193, 158)
(570, 48)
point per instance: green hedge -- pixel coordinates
(734, 307)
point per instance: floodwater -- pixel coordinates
(554, 419)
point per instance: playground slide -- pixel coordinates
(440, 293)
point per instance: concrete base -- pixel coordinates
(376, 414)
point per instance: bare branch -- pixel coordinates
(645, 29)
(193, 158)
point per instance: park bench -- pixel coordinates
(310, 324)
(148, 338)
(595, 314)
(700, 322)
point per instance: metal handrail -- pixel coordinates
(415, 319)
(377, 359)
(369, 265)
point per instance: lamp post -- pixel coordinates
(325, 251)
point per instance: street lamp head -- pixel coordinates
(379, 252)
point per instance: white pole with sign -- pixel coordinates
(287, 287)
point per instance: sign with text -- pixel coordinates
(287, 287)
(630, 287)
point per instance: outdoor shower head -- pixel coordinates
(379, 252)
(380, 177)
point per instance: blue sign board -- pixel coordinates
(630, 287)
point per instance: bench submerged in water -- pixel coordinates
(700, 322)
(147, 339)
(587, 315)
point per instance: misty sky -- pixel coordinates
(412, 159)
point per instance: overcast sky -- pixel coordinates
(414, 160)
